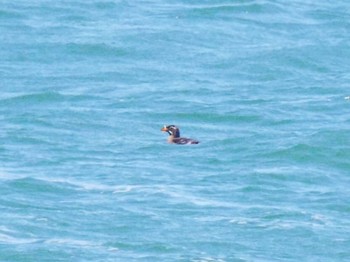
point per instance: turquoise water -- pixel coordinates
(86, 174)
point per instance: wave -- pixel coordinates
(174, 194)
(99, 49)
(46, 97)
(10, 15)
(251, 6)
(40, 97)
(37, 185)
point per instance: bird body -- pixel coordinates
(174, 136)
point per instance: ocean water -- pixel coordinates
(87, 175)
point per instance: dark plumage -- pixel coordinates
(174, 136)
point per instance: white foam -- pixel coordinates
(4, 175)
(90, 186)
(277, 170)
(124, 189)
(5, 229)
(198, 201)
(208, 259)
(7, 239)
(71, 242)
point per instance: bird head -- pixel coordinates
(172, 130)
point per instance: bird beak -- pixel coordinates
(164, 129)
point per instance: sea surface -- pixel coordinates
(87, 175)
